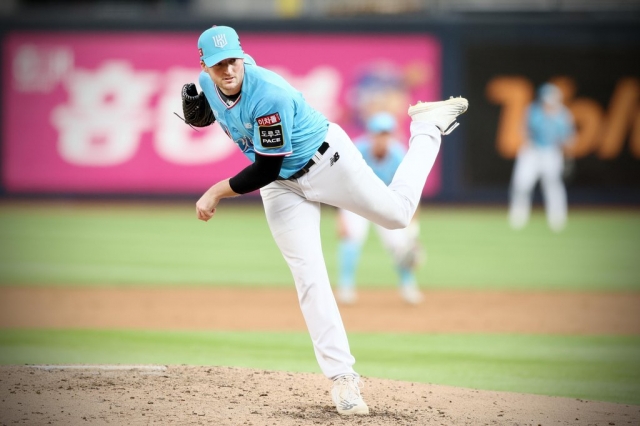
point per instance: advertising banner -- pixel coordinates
(94, 112)
(601, 88)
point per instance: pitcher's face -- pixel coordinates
(227, 74)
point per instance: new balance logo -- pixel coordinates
(346, 405)
(334, 159)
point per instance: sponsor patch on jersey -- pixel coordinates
(271, 136)
(268, 120)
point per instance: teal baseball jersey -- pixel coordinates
(549, 130)
(386, 167)
(269, 118)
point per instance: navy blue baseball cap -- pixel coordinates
(219, 43)
(381, 122)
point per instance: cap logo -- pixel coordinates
(200, 51)
(220, 40)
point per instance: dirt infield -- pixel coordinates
(277, 310)
(180, 395)
(221, 396)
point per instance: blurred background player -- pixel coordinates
(383, 153)
(549, 127)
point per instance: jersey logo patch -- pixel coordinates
(271, 137)
(220, 40)
(268, 120)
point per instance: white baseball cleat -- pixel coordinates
(346, 296)
(443, 114)
(346, 395)
(411, 255)
(411, 294)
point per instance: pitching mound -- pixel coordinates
(143, 395)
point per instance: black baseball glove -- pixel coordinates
(195, 107)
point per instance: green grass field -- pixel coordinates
(166, 245)
(154, 245)
(597, 367)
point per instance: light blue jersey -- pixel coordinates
(270, 117)
(547, 130)
(386, 167)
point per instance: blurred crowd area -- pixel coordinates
(288, 9)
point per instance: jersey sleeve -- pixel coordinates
(273, 125)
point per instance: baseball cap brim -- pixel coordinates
(221, 56)
(381, 123)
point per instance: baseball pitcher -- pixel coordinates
(299, 160)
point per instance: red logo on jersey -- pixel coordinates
(269, 120)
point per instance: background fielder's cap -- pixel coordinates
(219, 43)
(550, 93)
(381, 122)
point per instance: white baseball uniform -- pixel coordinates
(384, 155)
(320, 165)
(541, 159)
(341, 178)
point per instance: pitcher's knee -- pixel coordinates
(398, 221)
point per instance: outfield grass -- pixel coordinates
(603, 368)
(165, 245)
(151, 245)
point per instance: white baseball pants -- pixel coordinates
(342, 179)
(533, 164)
(396, 241)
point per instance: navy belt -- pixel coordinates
(316, 157)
